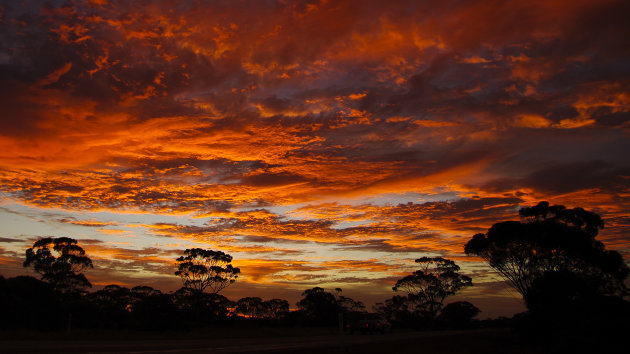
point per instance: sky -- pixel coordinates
(320, 143)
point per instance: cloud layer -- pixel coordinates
(305, 129)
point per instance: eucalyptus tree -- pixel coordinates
(60, 262)
(427, 287)
(203, 270)
(551, 239)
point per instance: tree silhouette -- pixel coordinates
(206, 269)
(154, 310)
(255, 307)
(276, 308)
(550, 239)
(251, 307)
(29, 303)
(141, 291)
(60, 261)
(319, 306)
(459, 313)
(215, 306)
(350, 305)
(396, 310)
(437, 279)
(113, 305)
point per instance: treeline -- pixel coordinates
(29, 303)
(61, 298)
(574, 288)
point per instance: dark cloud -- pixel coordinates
(380, 246)
(272, 179)
(569, 177)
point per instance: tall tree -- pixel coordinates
(61, 262)
(550, 239)
(436, 279)
(206, 269)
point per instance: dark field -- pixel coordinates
(268, 340)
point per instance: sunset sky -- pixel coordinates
(320, 143)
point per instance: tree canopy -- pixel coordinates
(60, 262)
(459, 313)
(251, 306)
(395, 310)
(276, 308)
(323, 307)
(319, 304)
(550, 239)
(255, 307)
(436, 279)
(206, 269)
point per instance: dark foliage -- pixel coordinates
(29, 303)
(320, 307)
(399, 311)
(458, 314)
(573, 287)
(427, 287)
(60, 302)
(568, 307)
(155, 312)
(550, 239)
(206, 269)
(256, 308)
(251, 307)
(113, 305)
(61, 262)
(276, 309)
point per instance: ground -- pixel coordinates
(302, 340)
